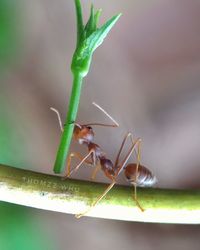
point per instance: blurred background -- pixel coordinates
(146, 75)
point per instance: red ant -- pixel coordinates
(135, 173)
(84, 134)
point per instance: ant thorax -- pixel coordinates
(83, 134)
(97, 150)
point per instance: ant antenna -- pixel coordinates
(109, 116)
(59, 118)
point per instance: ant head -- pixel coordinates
(83, 133)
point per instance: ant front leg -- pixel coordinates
(83, 159)
(80, 157)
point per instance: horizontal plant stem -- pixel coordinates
(74, 196)
(69, 124)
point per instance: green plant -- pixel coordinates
(73, 196)
(89, 37)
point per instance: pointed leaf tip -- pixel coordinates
(90, 26)
(96, 17)
(96, 38)
(89, 38)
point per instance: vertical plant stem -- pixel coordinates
(89, 37)
(69, 124)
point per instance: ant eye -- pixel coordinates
(90, 128)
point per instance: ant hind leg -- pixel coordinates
(97, 201)
(138, 155)
(135, 144)
(136, 200)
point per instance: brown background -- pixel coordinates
(146, 74)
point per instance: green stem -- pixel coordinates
(88, 39)
(73, 196)
(69, 124)
(79, 21)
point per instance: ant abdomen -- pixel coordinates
(145, 178)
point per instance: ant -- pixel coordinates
(84, 134)
(135, 173)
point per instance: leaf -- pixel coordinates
(96, 17)
(88, 39)
(90, 26)
(97, 37)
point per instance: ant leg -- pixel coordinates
(98, 200)
(135, 198)
(138, 152)
(123, 163)
(122, 145)
(59, 118)
(115, 124)
(113, 178)
(136, 176)
(132, 149)
(138, 160)
(101, 124)
(77, 155)
(94, 173)
(132, 141)
(84, 159)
